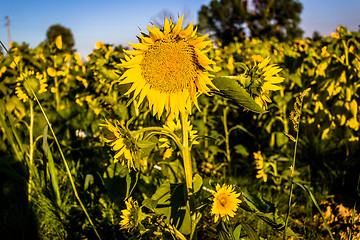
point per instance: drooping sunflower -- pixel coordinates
(169, 67)
(263, 78)
(225, 202)
(120, 140)
(131, 216)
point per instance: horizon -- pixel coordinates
(90, 23)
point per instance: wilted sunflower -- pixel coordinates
(131, 216)
(261, 79)
(120, 140)
(169, 67)
(225, 202)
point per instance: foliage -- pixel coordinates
(58, 30)
(79, 95)
(229, 19)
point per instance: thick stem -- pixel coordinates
(185, 150)
(186, 153)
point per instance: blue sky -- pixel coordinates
(118, 22)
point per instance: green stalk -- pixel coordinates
(292, 171)
(227, 133)
(186, 153)
(185, 150)
(31, 146)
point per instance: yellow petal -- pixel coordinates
(176, 30)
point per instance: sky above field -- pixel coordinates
(118, 22)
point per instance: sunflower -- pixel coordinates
(120, 140)
(225, 202)
(259, 165)
(261, 79)
(131, 215)
(38, 83)
(174, 125)
(169, 67)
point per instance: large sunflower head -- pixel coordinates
(169, 67)
(225, 202)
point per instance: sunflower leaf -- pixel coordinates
(264, 210)
(171, 203)
(230, 87)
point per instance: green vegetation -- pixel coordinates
(60, 180)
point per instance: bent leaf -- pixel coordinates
(264, 210)
(230, 87)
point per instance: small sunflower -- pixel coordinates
(261, 79)
(120, 140)
(38, 83)
(259, 165)
(169, 67)
(131, 215)
(174, 125)
(225, 202)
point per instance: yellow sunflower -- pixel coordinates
(38, 83)
(225, 202)
(169, 67)
(131, 215)
(259, 165)
(120, 140)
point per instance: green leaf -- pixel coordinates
(150, 203)
(198, 182)
(237, 232)
(223, 231)
(264, 210)
(249, 230)
(53, 175)
(171, 202)
(241, 149)
(146, 144)
(231, 88)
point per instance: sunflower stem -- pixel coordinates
(31, 147)
(188, 171)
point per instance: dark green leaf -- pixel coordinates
(264, 210)
(250, 231)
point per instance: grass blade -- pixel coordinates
(317, 206)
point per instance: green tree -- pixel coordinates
(225, 18)
(66, 34)
(263, 18)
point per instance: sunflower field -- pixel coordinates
(178, 137)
